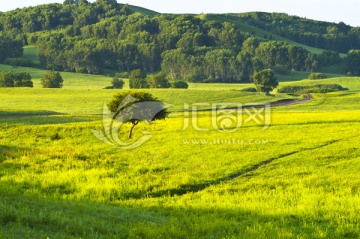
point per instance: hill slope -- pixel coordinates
(104, 36)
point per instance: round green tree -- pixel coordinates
(52, 79)
(137, 79)
(265, 81)
(117, 83)
(158, 81)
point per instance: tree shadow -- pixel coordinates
(17, 114)
(39, 117)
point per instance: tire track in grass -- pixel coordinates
(194, 188)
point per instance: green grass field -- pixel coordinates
(298, 178)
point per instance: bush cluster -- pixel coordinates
(320, 88)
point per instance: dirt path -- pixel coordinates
(306, 98)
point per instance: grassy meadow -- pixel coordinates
(299, 178)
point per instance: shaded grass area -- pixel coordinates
(30, 53)
(48, 218)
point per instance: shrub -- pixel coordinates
(27, 83)
(6, 79)
(52, 79)
(137, 80)
(265, 81)
(158, 81)
(180, 85)
(250, 89)
(317, 76)
(117, 83)
(320, 88)
(19, 62)
(19, 79)
(81, 70)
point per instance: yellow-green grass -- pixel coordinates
(71, 80)
(78, 102)
(298, 178)
(336, 101)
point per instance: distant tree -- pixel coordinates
(353, 62)
(158, 81)
(134, 107)
(117, 83)
(265, 81)
(22, 79)
(52, 79)
(137, 79)
(19, 79)
(9, 47)
(6, 79)
(250, 45)
(311, 63)
(329, 58)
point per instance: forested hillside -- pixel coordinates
(105, 36)
(330, 36)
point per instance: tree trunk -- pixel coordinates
(132, 127)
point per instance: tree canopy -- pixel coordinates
(52, 79)
(135, 106)
(265, 81)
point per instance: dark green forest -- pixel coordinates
(105, 36)
(329, 36)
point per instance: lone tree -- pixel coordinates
(265, 81)
(117, 83)
(158, 81)
(134, 107)
(353, 62)
(52, 79)
(137, 79)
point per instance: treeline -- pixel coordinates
(18, 79)
(184, 47)
(330, 36)
(9, 47)
(236, 65)
(103, 36)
